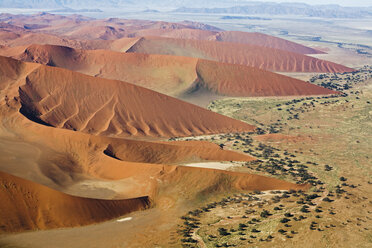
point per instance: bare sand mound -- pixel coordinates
(184, 33)
(236, 80)
(167, 74)
(255, 38)
(75, 101)
(11, 71)
(30, 206)
(9, 39)
(171, 152)
(233, 53)
(75, 29)
(79, 27)
(96, 33)
(171, 75)
(264, 40)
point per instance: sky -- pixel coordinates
(354, 3)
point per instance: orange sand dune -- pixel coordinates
(184, 33)
(75, 101)
(14, 39)
(171, 75)
(171, 152)
(28, 206)
(61, 158)
(264, 40)
(233, 53)
(255, 38)
(82, 28)
(237, 80)
(79, 27)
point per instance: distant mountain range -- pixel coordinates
(240, 7)
(328, 11)
(79, 4)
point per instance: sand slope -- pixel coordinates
(237, 80)
(62, 158)
(171, 75)
(67, 99)
(28, 206)
(171, 152)
(82, 28)
(252, 38)
(264, 40)
(234, 53)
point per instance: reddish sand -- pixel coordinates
(74, 29)
(233, 53)
(171, 152)
(255, 38)
(264, 40)
(171, 75)
(93, 114)
(62, 158)
(237, 80)
(75, 101)
(28, 206)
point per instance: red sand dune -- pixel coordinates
(79, 27)
(82, 28)
(171, 75)
(28, 206)
(171, 152)
(252, 38)
(237, 80)
(65, 157)
(233, 53)
(264, 40)
(72, 100)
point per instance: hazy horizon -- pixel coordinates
(171, 3)
(345, 3)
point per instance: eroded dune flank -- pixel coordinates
(171, 75)
(234, 53)
(28, 206)
(67, 99)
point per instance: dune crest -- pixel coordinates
(67, 99)
(171, 75)
(234, 53)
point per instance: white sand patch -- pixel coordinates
(124, 219)
(213, 165)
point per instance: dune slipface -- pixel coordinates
(63, 157)
(171, 152)
(255, 38)
(29, 206)
(264, 40)
(67, 99)
(77, 31)
(234, 53)
(236, 80)
(171, 75)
